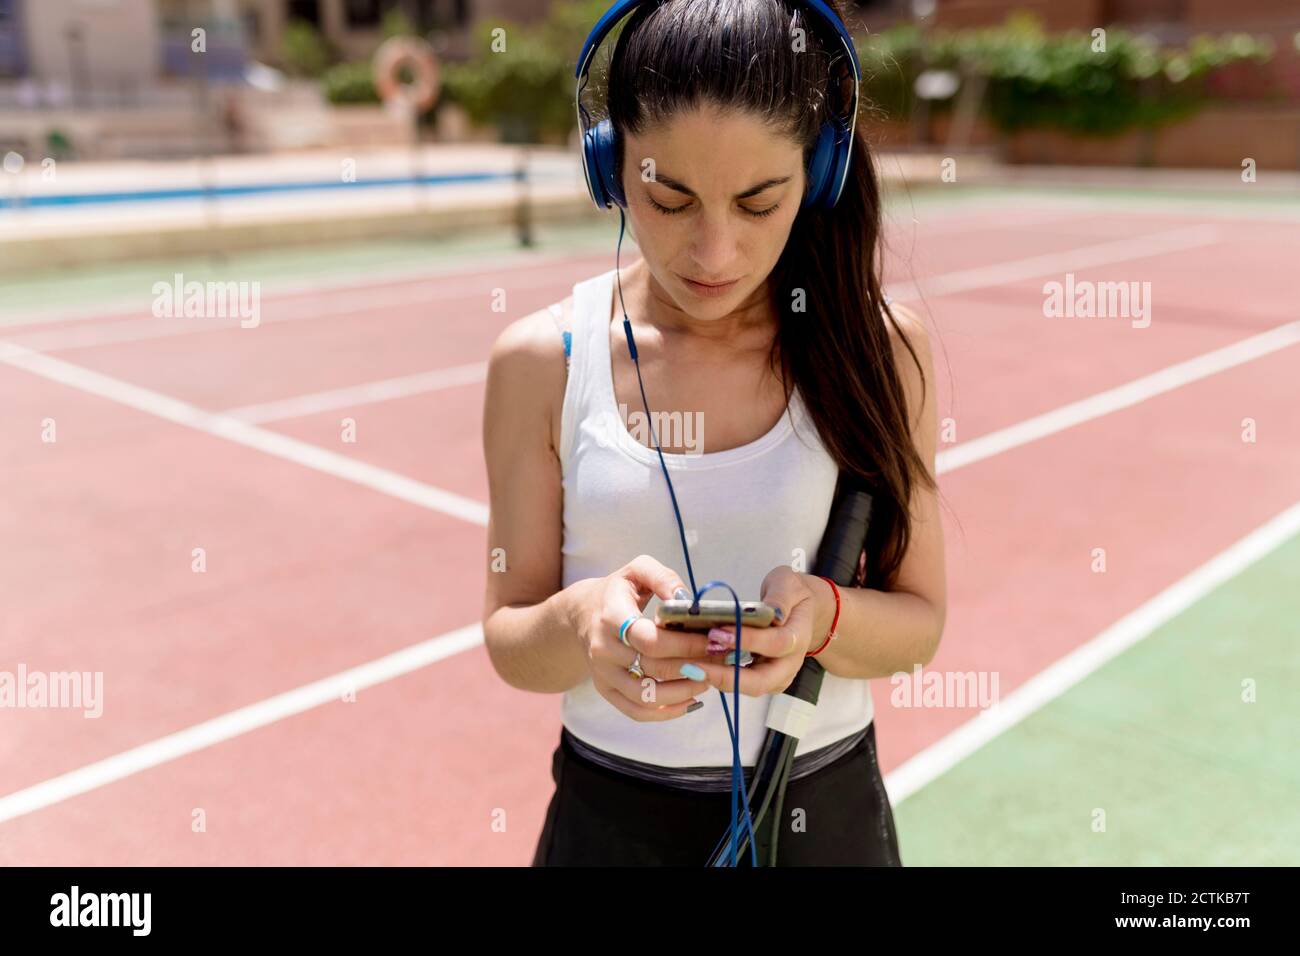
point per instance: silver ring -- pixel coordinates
(635, 668)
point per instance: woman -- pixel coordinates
(766, 323)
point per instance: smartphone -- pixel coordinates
(677, 615)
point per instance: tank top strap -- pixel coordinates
(588, 348)
(566, 334)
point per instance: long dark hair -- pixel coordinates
(743, 55)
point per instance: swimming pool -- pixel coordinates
(245, 189)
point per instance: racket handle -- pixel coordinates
(837, 559)
(845, 535)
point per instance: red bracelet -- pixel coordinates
(835, 622)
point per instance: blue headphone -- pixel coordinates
(827, 170)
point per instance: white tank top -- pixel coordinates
(746, 510)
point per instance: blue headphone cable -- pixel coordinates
(738, 792)
(828, 173)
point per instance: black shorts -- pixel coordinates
(837, 816)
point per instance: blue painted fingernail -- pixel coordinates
(681, 594)
(779, 613)
(694, 707)
(693, 672)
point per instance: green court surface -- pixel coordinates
(1160, 739)
(117, 284)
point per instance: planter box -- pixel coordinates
(1223, 136)
(369, 125)
(1043, 147)
(1218, 136)
(453, 125)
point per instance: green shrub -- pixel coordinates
(891, 60)
(303, 51)
(397, 24)
(57, 144)
(526, 89)
(1035, 79)
(350, 83)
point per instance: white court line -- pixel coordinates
(237, 722)
(916, 221)
(129, 762)
(1051, 683)
(246, 434)
(968, 218)
(338, 306)
(515, 260)
(1115, 399)
(965, 280)
(976, 449)
(1083, 257)
(965, 453)
(365, 394)
(901, 783)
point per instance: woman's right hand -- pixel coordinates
(601, 605)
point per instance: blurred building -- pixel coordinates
(1175, 18)
(120, 78)
(66, 42)
(354, 27)
(125, 44)
(90, 52)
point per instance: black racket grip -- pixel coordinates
(837, 559)
(845, 535)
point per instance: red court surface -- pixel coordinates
(310, 572)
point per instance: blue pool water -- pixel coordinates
(249, 189)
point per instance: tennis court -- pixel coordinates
(269, 540)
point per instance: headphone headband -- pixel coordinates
(828, 169)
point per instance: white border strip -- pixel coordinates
(237, 722)
(1049, 684)
(1083, 257)
(906, 780)
(343, 305)
(365, 394)
(248, 435)
(903, 782)
(420, 293)
(290, 287)
(1118, 398)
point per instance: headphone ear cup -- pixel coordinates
(592, 171)
(600, 149)
(821, 167)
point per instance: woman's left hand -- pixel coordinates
(782, 646)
